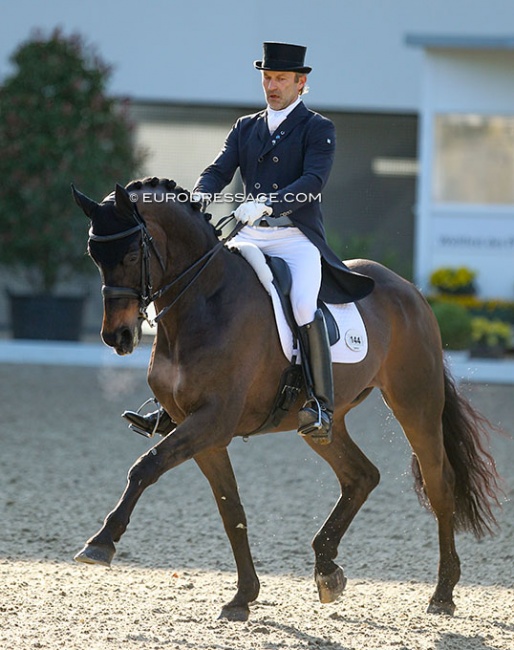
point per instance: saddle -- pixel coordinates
(282, 281)
(292, 380)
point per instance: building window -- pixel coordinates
(474, 159)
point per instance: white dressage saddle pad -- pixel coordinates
(352, 347)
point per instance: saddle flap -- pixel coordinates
(282, 281)
(332, 327)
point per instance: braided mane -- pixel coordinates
(166, 183)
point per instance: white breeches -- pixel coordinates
(302, 257)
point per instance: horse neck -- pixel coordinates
(188, 236)
(185, 240)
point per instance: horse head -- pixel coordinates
(120, 245)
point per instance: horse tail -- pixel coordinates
(477, 483)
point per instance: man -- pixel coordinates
(285, 155)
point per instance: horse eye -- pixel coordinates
(131, 258)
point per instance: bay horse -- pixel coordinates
(216, 363)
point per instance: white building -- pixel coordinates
(378, 67)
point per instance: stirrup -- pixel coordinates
(141, 431)
(319, 425)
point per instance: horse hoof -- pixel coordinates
(95, 554)
(331, 586)
(441, 607)
(240, 614)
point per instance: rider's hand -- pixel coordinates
(251, 211)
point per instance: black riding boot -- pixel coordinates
(147, 425)
(315, 417)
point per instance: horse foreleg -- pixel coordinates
(217, 468)
(357, 477)
(200, 431)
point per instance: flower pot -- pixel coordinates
(464, 290)
(46, 317)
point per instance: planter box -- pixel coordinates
(46, 317)
(487, 351)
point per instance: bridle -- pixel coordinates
(145, 294)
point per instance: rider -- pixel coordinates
(285, 154)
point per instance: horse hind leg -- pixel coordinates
(357, 477)
(420, 418)
(437, 481)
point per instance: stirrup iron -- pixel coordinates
(142, 432)
(311, 427)
(318, 429)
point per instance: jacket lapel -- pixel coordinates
(299, 114)
(262, 127)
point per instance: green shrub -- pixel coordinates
(455, 325)
(58, 125)
(490, 308)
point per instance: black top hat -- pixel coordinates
(283, 57)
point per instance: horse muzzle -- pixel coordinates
(121, 327)
(123, 339)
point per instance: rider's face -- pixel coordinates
(282, 88)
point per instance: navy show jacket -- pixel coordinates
(291, 167)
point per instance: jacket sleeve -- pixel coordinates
(220, 172)
(320, 144)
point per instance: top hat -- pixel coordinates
(283, 57)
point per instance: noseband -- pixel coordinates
(145, 295)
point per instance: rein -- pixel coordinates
(207, 258)
(146, 295)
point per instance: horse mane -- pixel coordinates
(170, 185)
(165, 183)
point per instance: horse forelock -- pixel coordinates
(108, 220)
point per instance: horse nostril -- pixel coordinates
(125, 340)
(120, 339)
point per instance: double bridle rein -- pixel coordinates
(145, 294)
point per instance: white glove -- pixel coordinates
(251, 211)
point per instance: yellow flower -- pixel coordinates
(490, 332)
(453, 279)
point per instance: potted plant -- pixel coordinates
(454, 281)
(489, 338)
(57, 126)
(454, 324)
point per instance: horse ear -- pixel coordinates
(87, 205)
(124, 203)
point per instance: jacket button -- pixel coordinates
(260, 158)
(257, 186)
(275, 159)
(275, 186)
